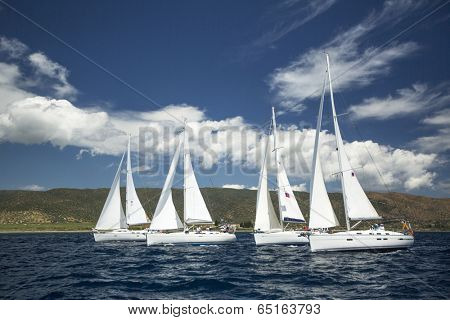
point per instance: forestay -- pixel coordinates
(195, 210)
(357, 205)
(266, 219)
(134, 211)
(112, 216)
(166, 216)
(321, 214)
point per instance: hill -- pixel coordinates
(64, 209)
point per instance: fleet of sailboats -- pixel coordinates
(357, 206)
(167, 228)
(268, 228)
(113, 223)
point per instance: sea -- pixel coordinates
(73, 266)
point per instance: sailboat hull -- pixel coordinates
(282, 237)
(360, 241)
(208, 237)
(120, 235)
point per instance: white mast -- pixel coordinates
(321, 214)
(184, 173)
(134, 211)
(275, 148)
(357, 205)
(337, 134)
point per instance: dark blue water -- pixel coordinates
(73, 266)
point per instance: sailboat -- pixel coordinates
(356, 204)
(166, 226)
(113, 222)
(268, 228)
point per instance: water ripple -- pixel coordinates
(73, 266)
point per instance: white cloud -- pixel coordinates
(234, 186)
(33, 187)
(39, 120)
(53, 70)
(303, 78)
(290, 15)
(12, 47)
(300, 187)
(439, 142)
(406, 101)
(439, 118)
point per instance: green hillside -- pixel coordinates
(77, 209)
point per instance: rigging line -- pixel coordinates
(66, 44)
(376, 51)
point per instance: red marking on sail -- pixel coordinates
(287, 195)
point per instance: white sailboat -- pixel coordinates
(166, 224)
(356, 204)
(268, 229)
(113, 222)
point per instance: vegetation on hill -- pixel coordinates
(65, 209)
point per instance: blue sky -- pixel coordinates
(64, 116)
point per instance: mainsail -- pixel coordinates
(357, 205)
(266, 219)
(134, 211)
(112, 216)
(195, 210)
(166, 216)
(321, 214)
(289, 208)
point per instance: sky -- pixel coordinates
(76, 77)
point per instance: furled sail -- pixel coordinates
(166, 216)
(134, 211)
(195, 210)
(357, 205)
(112, 216)
(266, 219)
(321, 214)
(289, 208)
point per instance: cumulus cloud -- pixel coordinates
(13, 48)
(53, 70)
(40, 120)
(302, 78)
(406, 101)
(399, 168)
